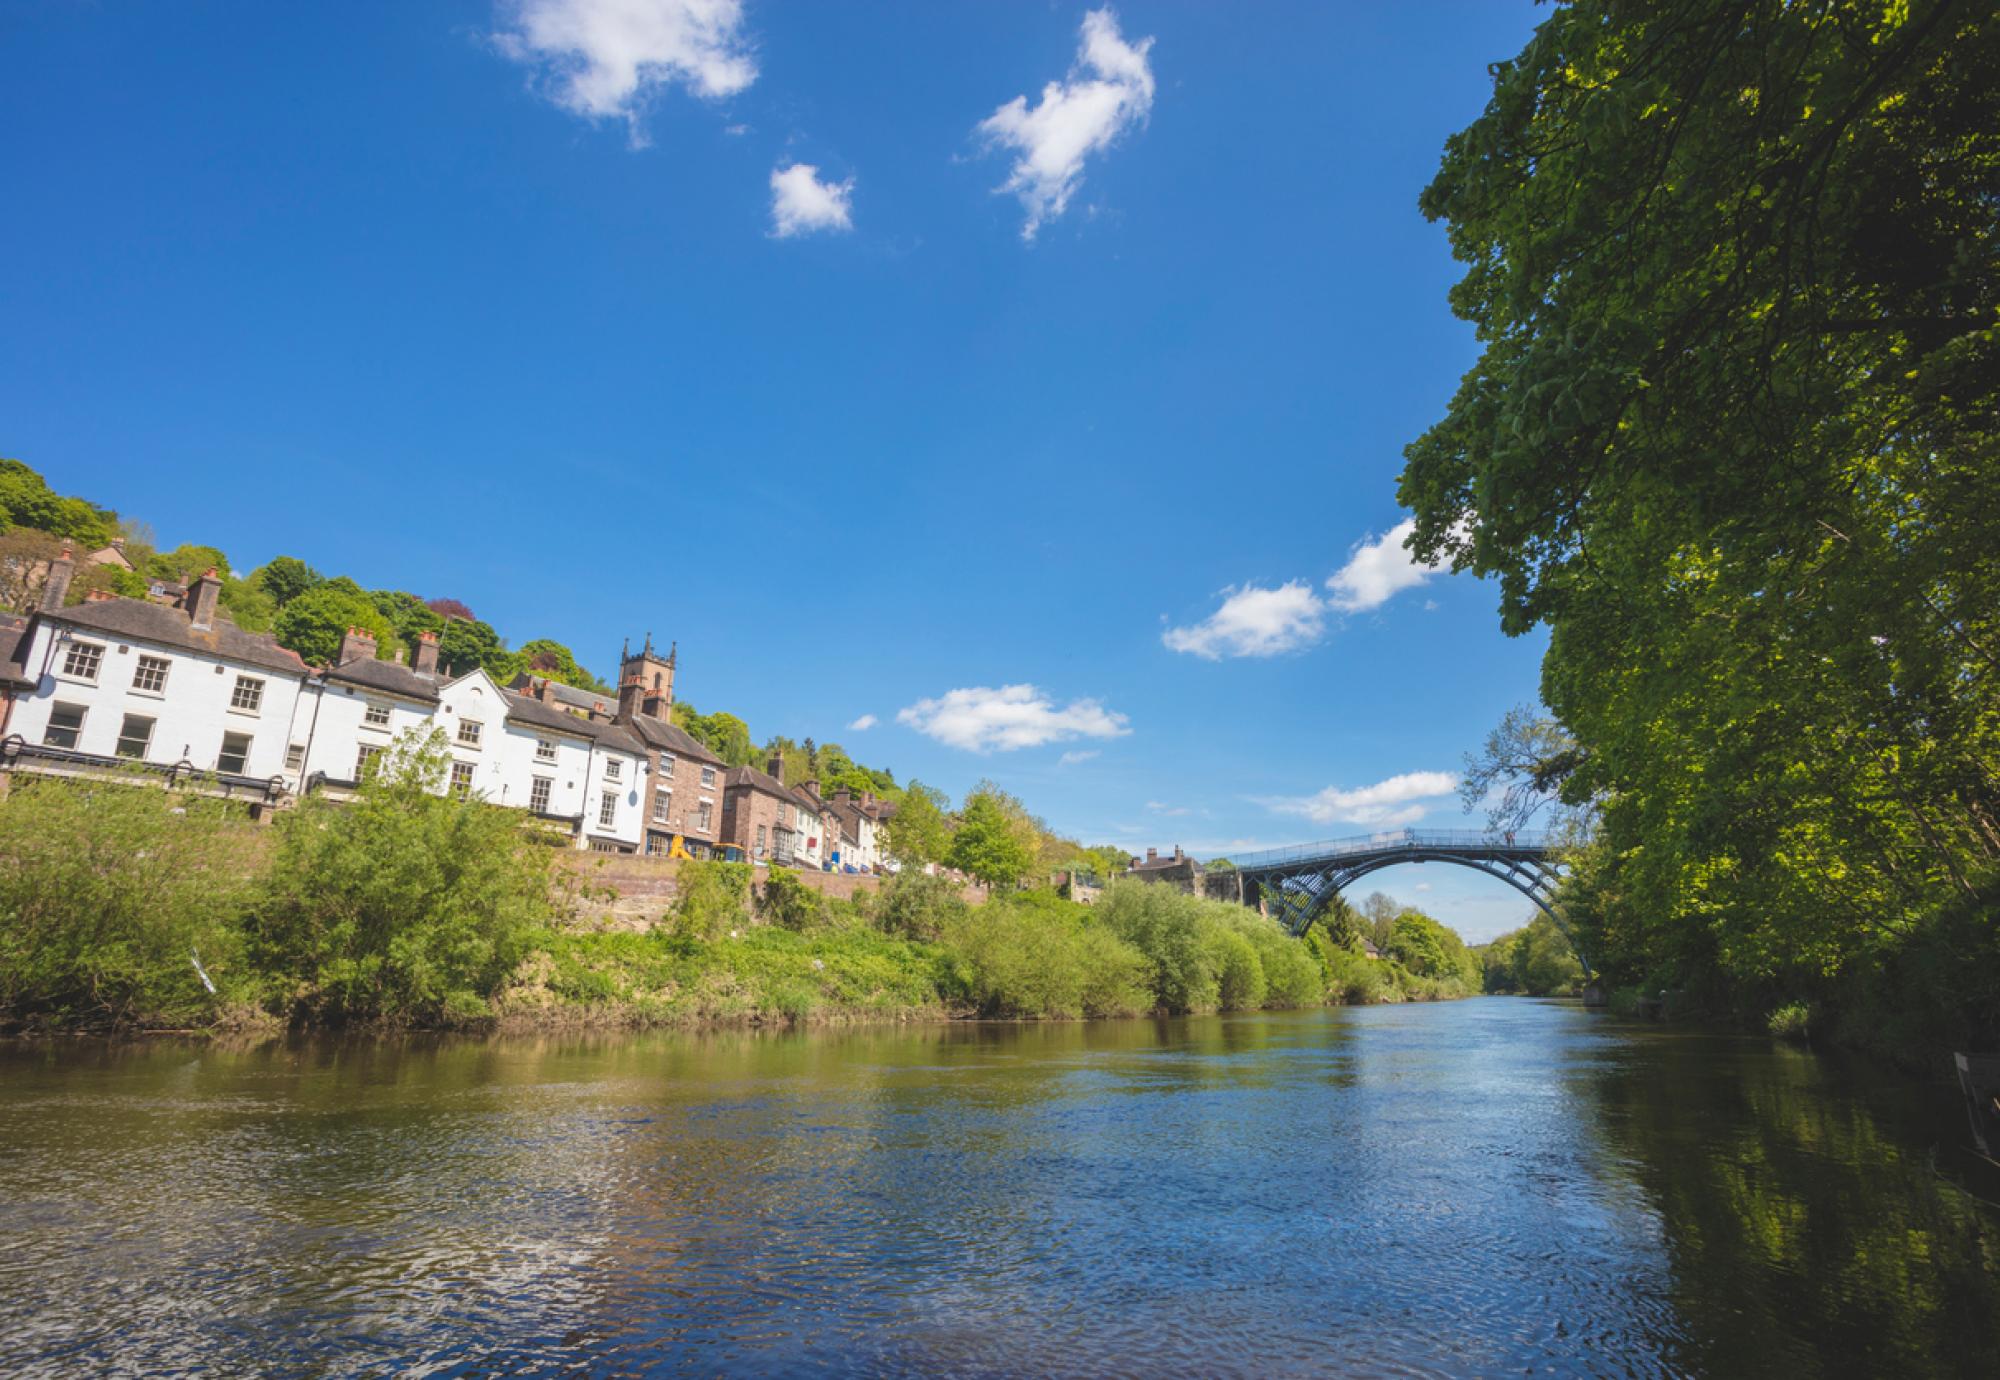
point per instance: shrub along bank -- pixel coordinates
(409, 907)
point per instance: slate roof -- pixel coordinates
(585, 700)
(390, 677)
(752, 779)
(619, 738)
(12, 675)
(674, 739)
(143, 621)
(528, 710)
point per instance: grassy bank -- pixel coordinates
(125, 906)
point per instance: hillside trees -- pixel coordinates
(1732, 439)
(989, 843)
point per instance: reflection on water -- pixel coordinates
(1475, 1188)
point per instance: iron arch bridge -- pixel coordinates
(1295, 885)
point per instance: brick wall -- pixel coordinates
(645, 887)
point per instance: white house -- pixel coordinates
(170, 686)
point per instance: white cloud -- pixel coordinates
(1423, 886)
(1388, 804)
(864, 723)
(1253, 621)
(1070, 759)
(1160, 807)
(1377, 568)
(1109, 90)
(607, 59)
(983, 718)
(801, 203)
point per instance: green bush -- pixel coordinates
(790, 904)
(1038, 956)
(711, 898)
(1239, 977)
(404, 905)
(1792, 1021)
(916, 906)
(107, 891)
(1169, 928)
(1291, 975)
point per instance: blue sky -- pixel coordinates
(891, 359)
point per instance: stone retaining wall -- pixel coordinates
(642, 888)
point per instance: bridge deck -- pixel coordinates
(1469, 842)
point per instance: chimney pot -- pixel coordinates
(358, 645)
(1152, 855)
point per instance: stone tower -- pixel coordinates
(645, 682)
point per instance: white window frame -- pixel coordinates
(666, 764)
(705, 817)
(708, 776)
(663, 801)
(223, 752)
(545, 749)
(607, 810)
(125, 736)
(295, 757)
(461, 778)
(363, 755)
(247, 696)
(52, 727)
(154, 669)
(369, 719)
(614, 769)
(540, 789)
(82, 655)
(470, 733)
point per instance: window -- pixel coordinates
(151, 677)
(666, 764)
(614, 769)
(248, 695)
(461, 779)
(607, 809)
(538, 794)
(705, 815)
(545, 749)
(708, 776)
(760, 840)
(82, 660)
(135, 736)
(235, 757)
(469, 731)
(65, 726)
(375, 715)
(662, 800)
(367, 754)
(295, 757)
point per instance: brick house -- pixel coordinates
(1180, 871)
(760, 815)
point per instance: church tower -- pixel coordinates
(646, 682)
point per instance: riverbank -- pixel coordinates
(131, 909)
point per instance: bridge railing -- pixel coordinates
(1463, 840)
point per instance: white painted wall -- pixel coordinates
(341, 727)
(191, 714)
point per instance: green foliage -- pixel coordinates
(1167, 927)
(988, 843)
(1732, 440)
(285, 578)
(1035, 955)
(314, 623)
(787, 902)
(1239, 977)
(1792, 1021)
(1432, 950)
(27, 501)
(919, 833)
(405, 905)
(723, 734)
(1536, 960)
(107, 891)
(187, 562)
(711, 898)
(915, 905)
(544, 657)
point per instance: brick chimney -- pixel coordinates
(811, 788)
(1152, 855)
(777, 767)
(202, 598)
(358, 645)
(427, 654)
(843, 796)
(631, 697)
(98, 596)
(57, 588)
(1178, 855)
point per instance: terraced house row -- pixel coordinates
(168, 684)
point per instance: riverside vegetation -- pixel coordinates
(411, 907)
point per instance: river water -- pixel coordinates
(1497, 1186)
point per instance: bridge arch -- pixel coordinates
(1296, 885)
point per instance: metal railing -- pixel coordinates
(1394, 840)
(16, 753)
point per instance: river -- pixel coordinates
(1485, 1187)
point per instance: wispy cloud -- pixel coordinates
(1388, 804)
(1160, 807)
(1076, 755)
(608, 59)
(1377, 569)
(864, 723)
(1254, 621)
(1109, 90)
(983, 718)
(802, 202)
